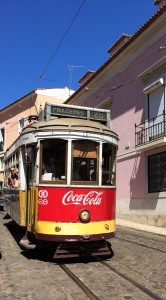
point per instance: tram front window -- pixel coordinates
(53, 158)
(85, 156)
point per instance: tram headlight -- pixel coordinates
(84, 216)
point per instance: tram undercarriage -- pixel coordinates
(69, 249)
(82, 249)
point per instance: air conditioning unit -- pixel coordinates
(155, 85)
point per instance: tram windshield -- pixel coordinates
(80, 161)
(53, 160)
(85, 157)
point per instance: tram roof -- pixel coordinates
(69, 124)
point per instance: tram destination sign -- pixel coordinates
(75, 112)
(68, 111)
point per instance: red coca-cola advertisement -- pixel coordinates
(65, 204)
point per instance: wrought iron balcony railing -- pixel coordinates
(150, 130)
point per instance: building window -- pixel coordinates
(155, 127)
(1, 163)
(156, 109)
(157, 173)
(1, 139)
(21, 124)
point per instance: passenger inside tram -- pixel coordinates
(12, 180)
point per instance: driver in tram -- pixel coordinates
(48, 163)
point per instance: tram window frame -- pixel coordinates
(82, 160)
(31, 156)
(108, 164)
(12, 162)
(46, 144)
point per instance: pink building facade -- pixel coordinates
(131, 83)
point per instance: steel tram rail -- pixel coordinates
(129, 279)
(135, 283)
(92, 296)
(79, 283)
(140, 244)
(124, 276)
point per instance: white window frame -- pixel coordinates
(20, 127)
(1, 163)
(2, 137)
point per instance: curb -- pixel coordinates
(141, 227)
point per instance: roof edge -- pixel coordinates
(120, 50)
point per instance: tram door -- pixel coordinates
(31, 187)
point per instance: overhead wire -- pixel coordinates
(48, 79)
(61, 41)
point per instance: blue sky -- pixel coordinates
(78, 32)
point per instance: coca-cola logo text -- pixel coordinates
(91, 198)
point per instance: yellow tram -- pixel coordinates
(65, 192)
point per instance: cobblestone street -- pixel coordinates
(25, 275)
(83, 150)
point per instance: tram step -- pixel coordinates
(24, 242)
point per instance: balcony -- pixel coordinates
(1, 146)
(151, 133)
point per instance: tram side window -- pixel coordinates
(108, 164)
(31, 153)
(11, 174)
(53, 161)
(85, 156)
